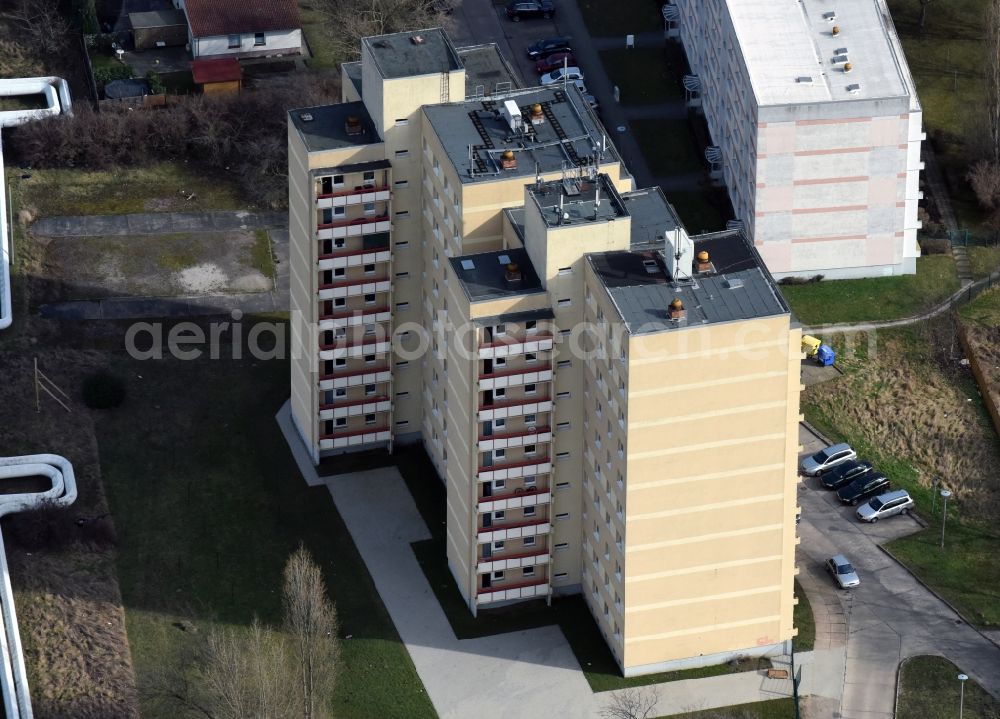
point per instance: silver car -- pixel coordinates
(886, 505)
(842, 571)
(827, 459)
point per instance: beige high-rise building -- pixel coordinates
(611, 404)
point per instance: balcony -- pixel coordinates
(355, 349)
(355, 378)
(509, 346)
(353, 228)
(521, 497)
(512, 561)
(354, 408)
(522, 375)
(354, 258)
(353, 288)
(353, 318)
(515, 408)
(513, 470)
(532, 435)
(513, 530)
(520, 590)
(354, 438)
(358, 195)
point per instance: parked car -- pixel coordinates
(886, 505)
(842, 571)
(866, 486)
(518, 9)
(554, 62)
(548, 46)
(827, 459)
(569, 74)
(845, 473)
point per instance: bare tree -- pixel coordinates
(923, 11)
(44, 27)
(311, 623)
(632, 703)
(351, 20)
(992, 75)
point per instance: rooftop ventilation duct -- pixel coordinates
(512, 114)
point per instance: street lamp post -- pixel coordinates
(944, 513)
(962, 678)
(935, 481)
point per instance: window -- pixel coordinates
(402, 153)
(340, 362)
(234, 41)
(369, 208)
(529, 480)
(368, 179)
(370, 299)
(402, 215)
(258, 39)
(341, 421)
(498, 575)
(562, 516)
(530, 357)
(500, 329)
(402, 275)
(562, 395)
(402, 244)
(498, 423)
(369, 269)
(529, 511)
(401, 365)
(338, 180)
(499, 515)
(565, 302)
(528, 571)
(339, 211)
(402, 121)
(562, 364)
(563, 425)
(400, 184)
(369, 359)
(369, 330)
(558, 576)
(529, 389)
(402, 423)
(401, 395)
(369, 419)
(530, 326)
(402, 306)
(499, 483)
(500, 362)
(565, 270)
(498, 545)
(529, 449)
(562, 545)
(340, 392)
(562, 485)
(369, 390)
(499, 453)
(529, 419)
(499, 393)
(562, 455)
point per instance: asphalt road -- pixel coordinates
(890, 616)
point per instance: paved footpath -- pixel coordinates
(532, 670)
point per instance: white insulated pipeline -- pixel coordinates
(13, 675)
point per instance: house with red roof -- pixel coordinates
(242, 28)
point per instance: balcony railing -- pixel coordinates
(353, 283)
(350, 223)
(514, 341)
(353, 253)
(512, 525)
(354, 403)
(354, 433)
(522, 555)
(514, 465)
(515, 585)
(349, 345)
(511, 435)
(523, 370)
(359, 313)
(359, 190)
(515, 403)
(519, 492)
(342, 375)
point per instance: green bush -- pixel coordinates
(104, 75)
(156, 85)
(103, 390)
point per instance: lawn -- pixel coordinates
(570, 613)
(877, 298)
(773, 709)
(700, 211)
(208, 504)
(628, 17)
(984, 260)
(917, 414)
(929, 689)
(643, 75)
(162, 187)
(803, 620)
(319, 37)
(668, 146)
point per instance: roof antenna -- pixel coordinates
(597, 194)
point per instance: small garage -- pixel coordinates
(158, 28)
(218, 77)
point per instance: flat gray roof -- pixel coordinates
(487, 72)
(412, 53)
(577, 200)
(484, 275)
(325, 127)
(157, 18)
(569, 136)
(652, 217)
(738, 287)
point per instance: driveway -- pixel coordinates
(890, 616)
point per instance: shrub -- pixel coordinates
(156, 85)
(103, 390)
(934, 246)
(47, 527)
(104, 75)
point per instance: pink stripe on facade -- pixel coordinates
(842, 208)
(834, 238)
(831, 180)
(841, 151)
(832, 122)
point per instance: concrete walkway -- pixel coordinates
(534, 671)
(157, 223)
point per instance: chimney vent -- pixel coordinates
(537, 115)
(703, 263)
(835, 31)
(353, 125)
(512, 273)
(508, 160)
(676, 311)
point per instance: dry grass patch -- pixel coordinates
(68, 601)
